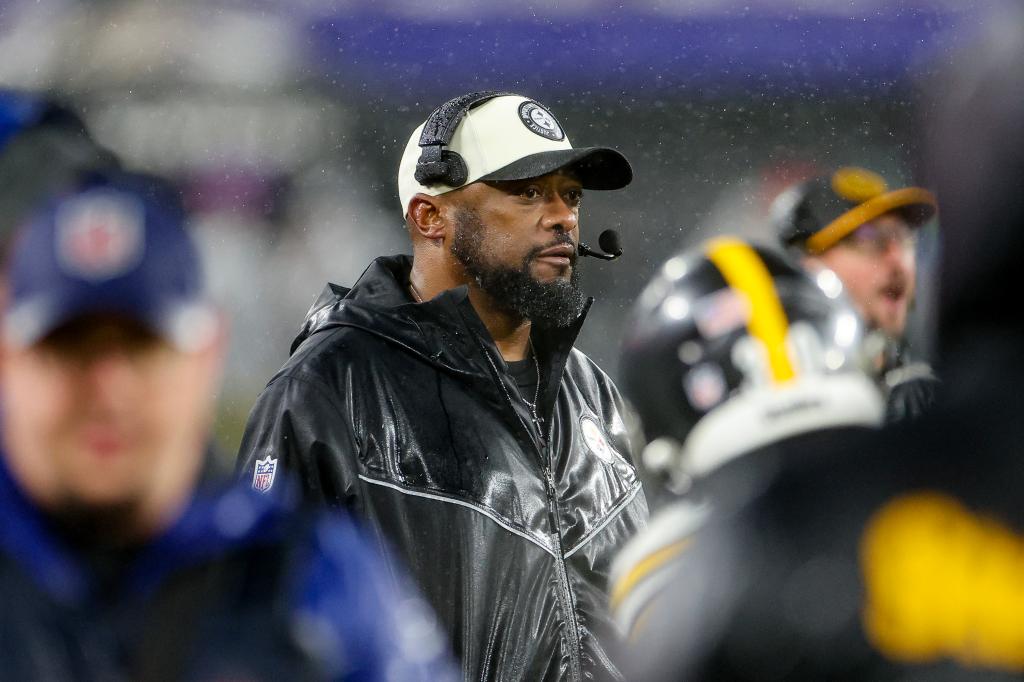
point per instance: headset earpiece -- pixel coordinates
(437, 165)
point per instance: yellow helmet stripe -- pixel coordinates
(645, 567)
(827, 236)
(747, 275)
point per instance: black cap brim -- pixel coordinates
(595, 167)
(917, 214)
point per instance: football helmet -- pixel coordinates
(731, 347)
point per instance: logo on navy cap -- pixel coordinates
(540, 121)
(99, 236)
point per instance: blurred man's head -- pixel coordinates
(853, 224)
(110, 357)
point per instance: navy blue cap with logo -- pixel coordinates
(116, 245)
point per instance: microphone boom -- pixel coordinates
(609, 243)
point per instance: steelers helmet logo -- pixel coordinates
(857, 184)
(540, 121)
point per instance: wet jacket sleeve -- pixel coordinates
(299, 437)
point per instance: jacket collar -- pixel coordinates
(445, 331)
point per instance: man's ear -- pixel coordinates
(426, 217)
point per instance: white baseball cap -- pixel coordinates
(510, 137)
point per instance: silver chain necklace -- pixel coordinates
(415, 294)
(536, 393)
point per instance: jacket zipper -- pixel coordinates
(575, 664)
(565, 592)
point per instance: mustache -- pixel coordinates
(558, 241)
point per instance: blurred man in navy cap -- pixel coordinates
(115, 562)
(853, 223)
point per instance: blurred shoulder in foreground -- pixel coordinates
(739, 364)
(889, 554)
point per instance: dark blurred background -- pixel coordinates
(285, 121)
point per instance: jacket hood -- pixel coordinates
(379, 287)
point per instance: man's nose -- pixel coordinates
(111, 376)
(559, 215)
(897, 248)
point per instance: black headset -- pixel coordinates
(436, 164)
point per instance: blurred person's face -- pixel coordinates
(877, 264)
(105, 423)
(517, 241)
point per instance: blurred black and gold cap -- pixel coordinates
(815, 214)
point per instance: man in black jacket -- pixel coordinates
(441, 397)
(853, 223)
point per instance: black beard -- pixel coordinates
(547, 304)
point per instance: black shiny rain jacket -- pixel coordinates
(406, 414)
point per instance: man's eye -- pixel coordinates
(530, 193)
(574, 197)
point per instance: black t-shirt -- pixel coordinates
(525, 374)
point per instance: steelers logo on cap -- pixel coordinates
(857, 184)
(540, 121)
